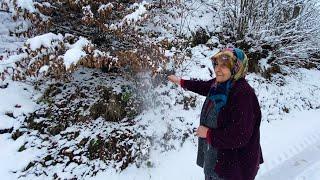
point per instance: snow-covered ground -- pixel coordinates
(291, 147)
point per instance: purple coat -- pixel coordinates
(237, 136)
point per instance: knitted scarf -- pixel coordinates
(218, 96)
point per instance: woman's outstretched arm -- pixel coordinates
(196, 86)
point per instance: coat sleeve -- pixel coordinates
(240, 129)
(199, 87)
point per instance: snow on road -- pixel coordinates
(302, 166)
(291, 147)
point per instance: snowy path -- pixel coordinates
(292, 147)
(303, 166)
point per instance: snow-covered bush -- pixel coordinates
(99, 34)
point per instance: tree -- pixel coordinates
(290, 27)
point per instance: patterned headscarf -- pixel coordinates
(237, 61)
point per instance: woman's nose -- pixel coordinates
(217, 67)
(216, 70)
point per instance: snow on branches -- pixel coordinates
(55, 54)
(92, 33)
(36, 13)
(290, 27)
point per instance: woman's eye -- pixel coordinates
(223, 65)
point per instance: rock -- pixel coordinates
(83, 142)
(31, 164)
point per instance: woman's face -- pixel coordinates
(222, 71)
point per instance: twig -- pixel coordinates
(7, 11)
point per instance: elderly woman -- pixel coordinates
(229, 136)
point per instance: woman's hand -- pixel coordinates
(202, 131)
(174, 79)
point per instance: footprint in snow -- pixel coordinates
(299, 162)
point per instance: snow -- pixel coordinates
(186, 19)
(8, 43)
(290, 146)
(282, 140)
(26, 4)
(75, 53)
(87, 12)
(178, 164)
(44, 69)
(11, 60)
(137, 14)
(50, 40)
(45, 40)
(105, 6)
(290, 140)
(276, 143)
(193, 69)
(11, 159)
(213, 40)
(15, 94)
(113, 27)
(312, 172)
(304, 165)
(72, 56)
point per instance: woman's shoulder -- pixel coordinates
(242, 87)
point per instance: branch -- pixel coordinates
(7, 11)
(71, 30)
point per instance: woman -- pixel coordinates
(229, 135)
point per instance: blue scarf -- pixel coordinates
(219, 94)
